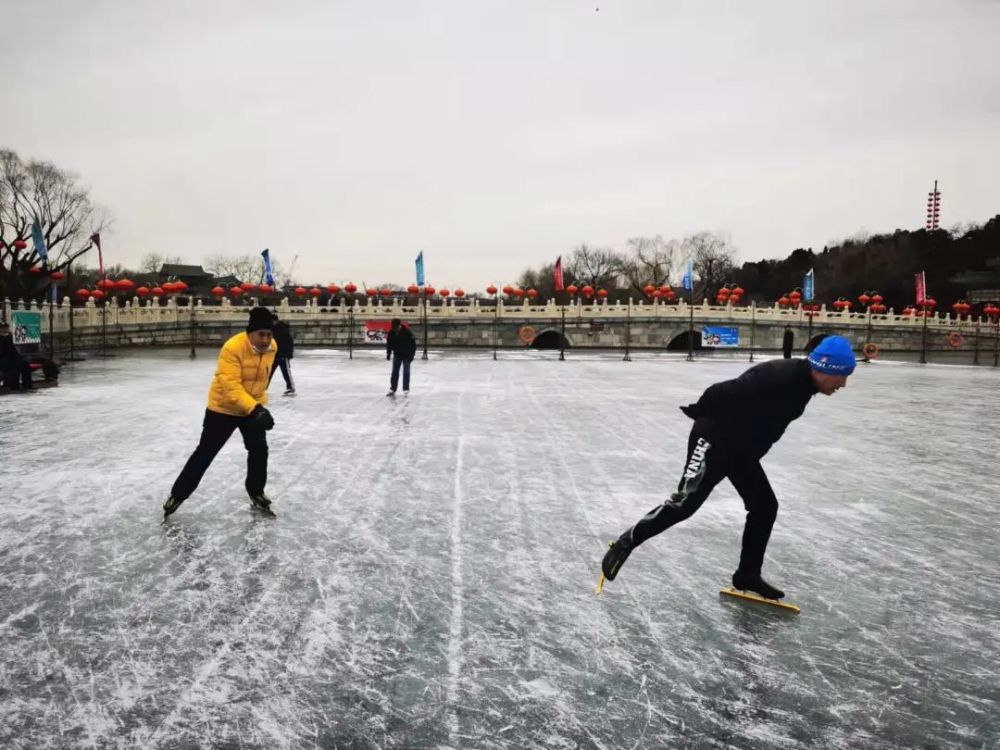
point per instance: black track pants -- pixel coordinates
(709, 461)
(394, 377)
(286, 372)
(215, 431)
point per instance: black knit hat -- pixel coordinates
(261, 319)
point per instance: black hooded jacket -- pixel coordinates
(753, 410)
(283, 338)
(10, 357)
(401, 343)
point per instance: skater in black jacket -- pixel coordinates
(15, 372)
(735, 423)
(401, 348)
(286, 350)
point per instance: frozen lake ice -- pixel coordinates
(429, 580)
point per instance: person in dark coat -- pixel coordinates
(787, 342)
(15, 372)
(286, 350)
(401, 348)
(735, 424)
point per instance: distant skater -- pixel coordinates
(787, 342)
(286, 350)
(236, 400)
(735, 424)
(401, 348)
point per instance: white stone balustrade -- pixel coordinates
(135, 312)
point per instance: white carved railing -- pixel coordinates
(135, 312)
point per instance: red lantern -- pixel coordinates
(143, 291)
(648, 290)
(386, 292)
(602, 293)
(237, 291)
(157, 291)
(508, 290)
(783, 301)
(656, 294)
(218, 291)
(126, 285)
(571, 290)
(350, 288)
(444, 292)
(665, 290)
(168, 288)
(877, 298)
(795, 297)
(369, 292)
(82, 294)
(669, 294)
(97, 294)
(20, 244)
(532, 293)
(738, 291)
(265, 288)
(428, 291)
(459, 293)
(103, 284)
(724, 293)
(930, 303)
(413, 290)
(315, 291)
(300, 291)
(332, 288)
(864, 299)
(491, 290)
(588, 290)
(519, 293)
(58, 275)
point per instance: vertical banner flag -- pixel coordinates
(39, 241)
(920, 282)
(807, 287)
(687, 282)
(558, 274)
(96, 239)
(420, 269)
(268, 271)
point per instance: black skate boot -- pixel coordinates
(614, 558)
(170, 505)
(262, 503)
(753, 582)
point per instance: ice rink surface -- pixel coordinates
(429, 579)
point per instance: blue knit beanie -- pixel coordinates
(833, 356)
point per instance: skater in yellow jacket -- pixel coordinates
(236, 400)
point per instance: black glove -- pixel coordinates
(262, 417)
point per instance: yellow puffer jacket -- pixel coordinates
(241, 376)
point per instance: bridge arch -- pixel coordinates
(678, 342)
(549, 339)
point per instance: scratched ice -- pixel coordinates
(429, 580)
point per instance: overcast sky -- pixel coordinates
(498, 135)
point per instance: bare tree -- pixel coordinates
(153, 262)
(713, 259)
(66, 216)
(243, 267)
(599, 267)
(650, 260)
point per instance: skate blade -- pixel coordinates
(751, 596)
(600, 584)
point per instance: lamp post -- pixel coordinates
(428, 291)
(492, 291)
(628, 327)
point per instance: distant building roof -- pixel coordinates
(176, 269)
(223, 280)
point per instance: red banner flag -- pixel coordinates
(921, 286)
(558, 274)
(96, 239)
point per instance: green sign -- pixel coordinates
(26, 327)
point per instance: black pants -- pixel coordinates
(398, 362)
(709, 461)
(285, 363)
(17, 375)
(215, 431)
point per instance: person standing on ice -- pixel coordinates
(283, 359)
(236, 400)
(735, 423)
(401, 348)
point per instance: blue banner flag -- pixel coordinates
(807, 287)
(420, 269)
(268, 274)
(39, 241)
(687, 282)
